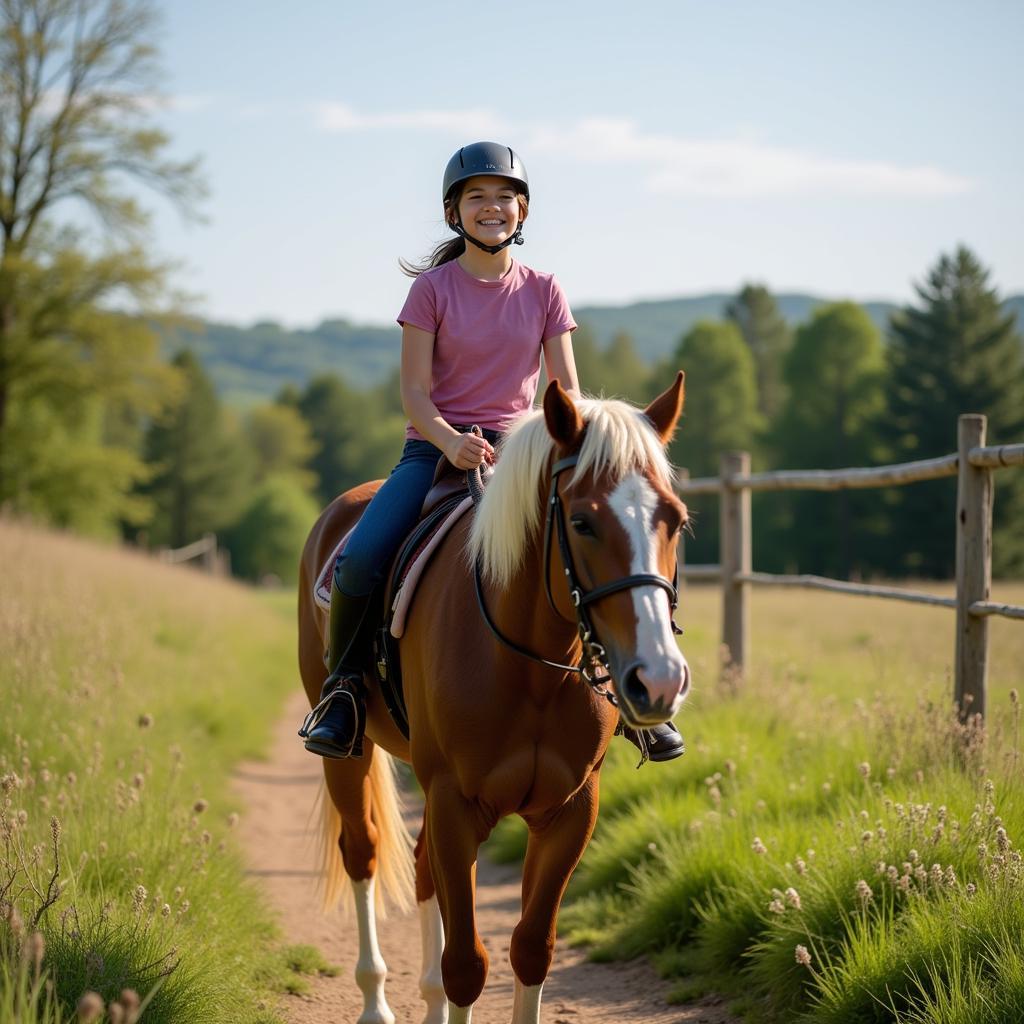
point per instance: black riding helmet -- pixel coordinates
(485, 158)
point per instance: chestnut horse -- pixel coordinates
(580, 506)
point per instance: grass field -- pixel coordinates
(833, 847)
(129, 690)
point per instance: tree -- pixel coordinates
(767, 335)
(956, 352)
(834, 377)
(281, 444)
(625, 373)
(357, 441)
(199, 472)
(76, 94)
(267, 539)
(720, 414)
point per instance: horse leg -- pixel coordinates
(454, 834)
(553, 850)
(349, 785)
(431, 934)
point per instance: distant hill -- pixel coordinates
(252, 364)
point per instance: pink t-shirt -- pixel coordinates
(487, 339)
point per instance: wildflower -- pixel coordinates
(757, 846)
(145, 721)
(865, 769)
(863, 891)
(892, 874)
(199, 806)
(730, 766)
(777, 907)
(116, 1013)
(760, 805)
(800, 865)
(971, 889)
(652, 847)
(949, 877)
(793, 898)
(90, 1008)
(22, 818)
(890, 772)
(904, 883)
(232, 819)
(139, 897)
(914, 856)
(1002, 840)
(1014, 697)
(802, 957)
(867, 836)
(919, 776)
(165, 910)
(938, 832)
(826, 787)
(935, 875)
(35, 947)
(71, 778)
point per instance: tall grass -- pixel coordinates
(835, 846)
(129, 690)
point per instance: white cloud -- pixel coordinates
(742, 168)
(739, 168)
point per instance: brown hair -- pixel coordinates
(453, 248)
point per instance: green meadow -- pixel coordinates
(834, 846)
(129, 690)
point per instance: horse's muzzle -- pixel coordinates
(648, 698)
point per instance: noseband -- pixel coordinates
(594, 657)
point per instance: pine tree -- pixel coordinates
(956, 352)
(768, 337)
(834, 376)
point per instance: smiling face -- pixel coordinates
(491, 209)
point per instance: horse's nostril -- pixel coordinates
(635, 691)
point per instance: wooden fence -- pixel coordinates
(973, 464)
(204, 551)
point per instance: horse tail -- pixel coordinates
(395, 866)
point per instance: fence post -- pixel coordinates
(973, 568)
(735, 545)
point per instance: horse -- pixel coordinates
(512, 698)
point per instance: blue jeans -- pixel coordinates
(388, 518)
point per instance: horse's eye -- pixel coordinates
(582, 526)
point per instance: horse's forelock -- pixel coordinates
(617, 441)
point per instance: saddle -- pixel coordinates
(445, 503)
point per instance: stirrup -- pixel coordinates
(355, 746)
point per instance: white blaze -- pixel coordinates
(634, 503)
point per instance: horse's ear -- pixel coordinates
(664, 411)
(561, 416)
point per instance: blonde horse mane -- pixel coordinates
(618, 439)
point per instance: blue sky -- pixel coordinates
(673, 148)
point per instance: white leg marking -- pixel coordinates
(634, 502)
(431, 985)
(526, 1003)
(370, 969)
(460, 1014)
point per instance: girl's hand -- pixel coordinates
(467, 451)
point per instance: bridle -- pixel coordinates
(594, 657)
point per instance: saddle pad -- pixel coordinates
(322, 589)
(403, 596)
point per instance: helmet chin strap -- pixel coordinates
(516, 238)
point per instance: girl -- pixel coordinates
(474, 327)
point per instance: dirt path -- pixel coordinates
(277, 832)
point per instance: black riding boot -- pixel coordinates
(334, 728)
(662, 743)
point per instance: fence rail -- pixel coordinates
(203, 551)
(973, 464)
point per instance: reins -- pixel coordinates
(593, 658)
